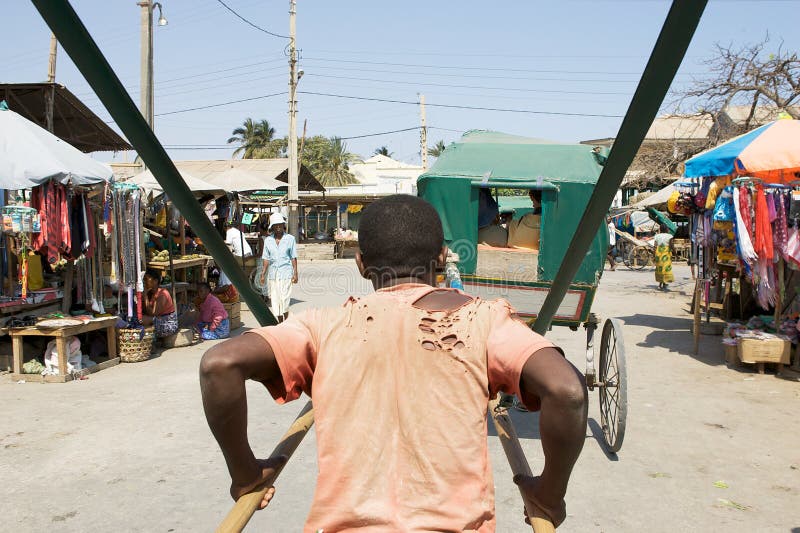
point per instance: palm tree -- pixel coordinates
(254, 138)
(437, 149)
(333, 170)
(383, 151)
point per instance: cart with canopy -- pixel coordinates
(565, 175)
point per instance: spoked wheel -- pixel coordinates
(638, 258)
(613, 385)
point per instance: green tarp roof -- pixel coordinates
(509, 158)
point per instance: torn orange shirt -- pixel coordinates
(400, 401)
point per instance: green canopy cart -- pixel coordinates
(566, 175)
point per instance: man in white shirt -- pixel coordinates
(237, 243)
(239, 247)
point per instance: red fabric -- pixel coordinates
(37, 202)
(763, 242)
(65, 235)
(744, 206)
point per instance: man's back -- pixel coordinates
(401, 382)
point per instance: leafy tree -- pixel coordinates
(329, 160)
(383, 150)
(335, 170)
(255, 140)
(437, 149)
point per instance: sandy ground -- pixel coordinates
(129, 450)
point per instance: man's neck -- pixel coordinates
(425, 279)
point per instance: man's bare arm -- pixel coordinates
(562, 423)
(223, 372)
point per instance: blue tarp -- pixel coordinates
(721, 161)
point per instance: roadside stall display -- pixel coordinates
(54, 249)
(743, 199)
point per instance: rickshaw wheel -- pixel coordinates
(613, 385)
(638, 258)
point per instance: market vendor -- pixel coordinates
(158, 309)
(212, 320)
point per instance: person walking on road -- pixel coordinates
(279, 266)
(612, 243)
(663, 244)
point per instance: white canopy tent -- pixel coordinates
(31, 155)
(659, 198)
(148, 183)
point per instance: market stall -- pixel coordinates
(53, 246)
(743, 198)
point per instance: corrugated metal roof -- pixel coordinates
(72, 120)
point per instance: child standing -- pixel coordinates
(426, 362)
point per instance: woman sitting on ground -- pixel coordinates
(158, 309)
(213, 322)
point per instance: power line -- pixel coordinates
(481, 76)
(219, 104)
(232, 146)
(502, 69)
(259, 28)
(451, 106)
(377, 134)
(430, 84)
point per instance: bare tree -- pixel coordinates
(748, 75)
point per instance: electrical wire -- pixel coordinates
(430, 84)
(501, 69)
(377, 134)
(259, 28)
(219, 104)
(480, 76)
(452, 106)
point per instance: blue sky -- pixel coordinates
(556, 56)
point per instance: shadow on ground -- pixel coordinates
(597, 435)
(675, 335)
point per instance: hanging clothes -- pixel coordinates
(746, 251)
(779, 227)
(763, 242)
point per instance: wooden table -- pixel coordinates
(22, 308)
(61, 334)
(182, 265)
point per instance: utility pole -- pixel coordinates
(423, 134)
(146, 64)
(292, 148)
(51, 67)
(50, 92)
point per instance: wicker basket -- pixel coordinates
(133, 346)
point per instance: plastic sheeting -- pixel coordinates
(31, 155)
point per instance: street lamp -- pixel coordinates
(162, 21)
(146, 96)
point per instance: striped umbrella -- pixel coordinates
(771, 152)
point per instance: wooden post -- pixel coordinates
(182, 231)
